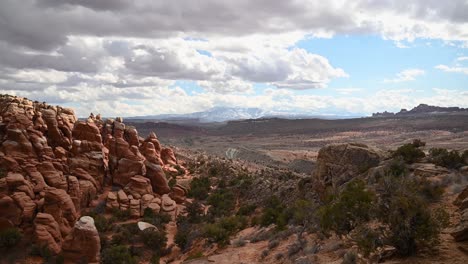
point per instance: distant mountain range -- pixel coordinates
(423, 109)
(223, 114)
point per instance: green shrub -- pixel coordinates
(217, 234)
(247, 209)
(465, 156)
(154, 240)
(180, 170)
(157, 219)
(183, 232)
(102, 223)
(194, 212)
(444, 158)
(409, 152)
(195, 255)
(3, 172)
(397, 167)
(117, 254)
(9, 238)
(432, 191)
(222, 202)
(274, 213)
(405, 211)
(172, 182)
(126, 233)
(199, 188)
(367, 239)
(348, 209)
(121, 215)
(220, 231)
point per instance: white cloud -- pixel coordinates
(406, 75)
(137, 50)
(445, 68)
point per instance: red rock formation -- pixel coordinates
(55, 165)
(83, 244)
(52, 176)
(168, 156)
(138, 186)
(59, 204)
(47, 233)
(158, 179)
(10, 211)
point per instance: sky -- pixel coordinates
(149, 57)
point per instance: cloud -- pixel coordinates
(28, 22)
(406, 75)
(445, 68)
(118, 56)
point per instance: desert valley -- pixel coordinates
(375, 189)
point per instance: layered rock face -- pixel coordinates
(339, 163)
(52, 166)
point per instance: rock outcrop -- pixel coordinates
(82, 245)
(53, 166)
(339, 163)
(460, 231)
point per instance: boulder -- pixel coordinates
(83, 245)
(128, 168)
(135, 210)
(460, 231)
(168, 156)
(157, 177)
(112, 201)
(123, 200)
(87, 131)
(167, 204)
(178, 193)
(131, 135)
(144, 225)
(138, 186)
(145, 201)
(339, 163)
(155, 207)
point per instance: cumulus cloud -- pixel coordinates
(98, 54)
(445, 68)
(406, 75)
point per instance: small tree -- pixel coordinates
(409, 152)
(348, 209)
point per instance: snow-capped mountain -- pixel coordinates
(216, 114)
